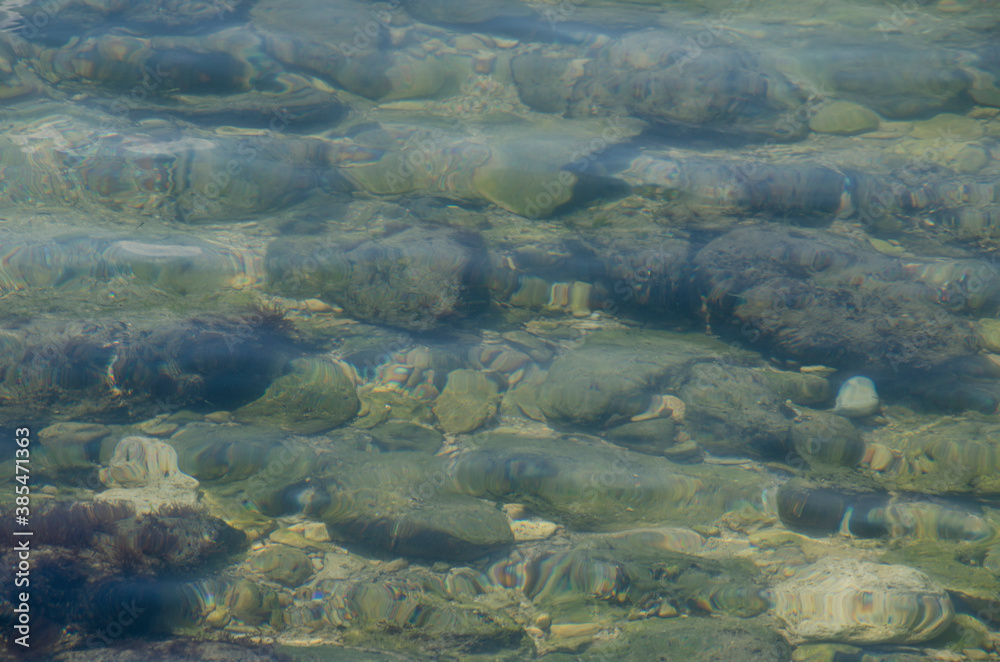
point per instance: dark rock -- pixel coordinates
(823, 299)
(315, 396)
(415, 280)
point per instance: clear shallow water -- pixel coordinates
(430, 330)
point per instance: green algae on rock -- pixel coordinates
(415, 279)
(468, 400)
(567, 479)
(315, 396)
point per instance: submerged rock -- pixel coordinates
(653, 74)
(416, 279)
(592, 486)
(956, 455)
(843, 118)
(403, 436)
(873, 514)
(858, 602)
(826, 438)
(171, 541)
(468, 400)
(693, 639)
(964, 570)
(447, 527)
(790, 288)
(735, 408)
(108, 370)
(442, 622)
(70, 445)
(144, 472)
(142, 461)
(897, 80)
(283, 564)
(652, 436)
(397, 502)
(615, 373)
(856, 398)
(93, 549)
(315, 396)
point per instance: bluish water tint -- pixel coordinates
(437, 330)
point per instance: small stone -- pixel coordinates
(140, 461)
(982, 113)
(843, 118)
(340, 565)
(879, 457)
(579, 299)
(316, 531)
(468, 400)
(292, 539)
(157, 428)
(543, 621)
(775, 539)
(682, 451)
(971, 158)
(317, 306)
(857, 397)
(218, 618)
(676, 406)
(884, 247)
(666, 610)
(943, 655)
(820, 370)
(525, 530)
(824, 438)
(572, 630)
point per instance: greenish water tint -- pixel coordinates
(438, 330)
